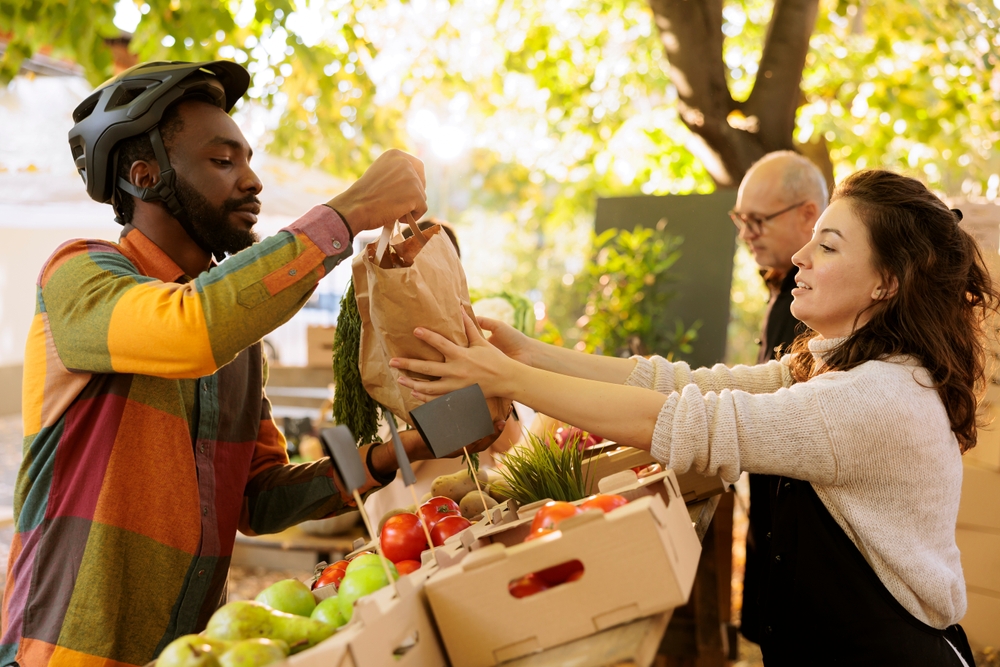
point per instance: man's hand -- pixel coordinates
(384, 459)
(389, 189)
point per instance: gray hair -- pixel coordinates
(802, 180)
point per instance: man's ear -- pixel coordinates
(144, 174)
(810, 213)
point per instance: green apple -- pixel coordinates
(370, 560)
(358, 584)
(290, 596)
(328, 611)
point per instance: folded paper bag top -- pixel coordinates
(417, 282)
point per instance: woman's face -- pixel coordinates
(836, 279)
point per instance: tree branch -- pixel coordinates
(691, 33)
(776, 92)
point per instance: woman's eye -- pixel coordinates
(825, 248)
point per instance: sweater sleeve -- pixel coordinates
(807, 431)
(666, 376)
(105, 316)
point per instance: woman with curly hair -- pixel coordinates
(865, 420)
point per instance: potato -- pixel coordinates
(456, 485)
(424, 498)
(472, 504)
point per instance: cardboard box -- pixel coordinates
(638, 560)
(319, 346)
(608, 461)
(386, 631)
(980, 560)
(982, 621)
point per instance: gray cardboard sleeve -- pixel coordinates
(453, 421)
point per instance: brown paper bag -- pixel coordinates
(400, 286)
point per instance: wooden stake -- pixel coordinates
(378, 547)
(475, 478)
(423, 523)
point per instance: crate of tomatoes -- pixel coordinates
(610, 559)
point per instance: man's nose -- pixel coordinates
(251, 183)
(746, 233)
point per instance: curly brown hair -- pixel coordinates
(939, 311)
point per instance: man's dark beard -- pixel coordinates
(211, 227)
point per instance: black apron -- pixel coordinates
(778, 332)
(824, 604)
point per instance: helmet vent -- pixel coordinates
(128, 92)
(86, 108)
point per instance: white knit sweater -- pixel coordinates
(875, 442)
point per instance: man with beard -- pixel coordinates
(148, 435)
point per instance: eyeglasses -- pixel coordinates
(754, 222)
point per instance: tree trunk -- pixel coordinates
(729, 135)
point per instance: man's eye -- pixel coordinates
(223, 161)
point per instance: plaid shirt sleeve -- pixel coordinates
(97, 302)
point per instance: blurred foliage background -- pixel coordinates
(525, 112)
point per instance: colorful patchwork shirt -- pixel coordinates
(149, 441)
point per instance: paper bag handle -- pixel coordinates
(417, 232)
(383, 242)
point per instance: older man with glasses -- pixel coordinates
(779, 201)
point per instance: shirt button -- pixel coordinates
(768, 535)
(778, 558)
(204, 387)
(768, 630)
(201, 573)
(202, 448)
(292, 272)
(204, 511)
(788, 484)
(337, 244)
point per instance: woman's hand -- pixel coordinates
(508, 340)
(481, 363)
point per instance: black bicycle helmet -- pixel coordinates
(132, 104)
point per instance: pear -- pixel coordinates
(254, 653)
(247, 619)
(192, 651)
(290, 596)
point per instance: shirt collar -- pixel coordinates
(149, 258)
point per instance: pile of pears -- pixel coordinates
(285, 618)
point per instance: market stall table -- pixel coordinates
(279, 550)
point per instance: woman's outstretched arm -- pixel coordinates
(556, 359)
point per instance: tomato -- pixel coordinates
(527, 585)
(402, 538)
(331, 575)
(448, 526)
(436, 509)
(603, 502)
(550, 514)
(407, 566)
(561, 573)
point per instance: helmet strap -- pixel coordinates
(164, 189)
